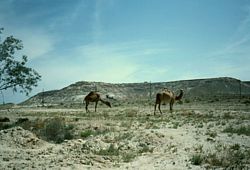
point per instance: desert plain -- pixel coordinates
(195, 135)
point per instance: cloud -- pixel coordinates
(37, 41)
(113, 63)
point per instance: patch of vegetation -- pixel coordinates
(89, 132)
(227, 115)
(52, 130)
(200, 125)
(110, 151)
(6, 125)
(186, 101)
(199, 148)
(197, 159)
(246, 102)
(235, 147)
(229, 158)
(128, 157)
(224, 156)
(124, 136)
(126, 124)
(145, 148)
(177, 124)
(57, 131)
(214, 100)
(212, 134)
(242, 130)
(86, 133)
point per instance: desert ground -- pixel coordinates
(208, 135)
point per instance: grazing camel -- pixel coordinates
(94, 97)
(167, 96)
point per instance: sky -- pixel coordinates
(125, 41)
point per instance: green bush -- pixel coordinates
(55, 130)
(87, 133)
(197, 159)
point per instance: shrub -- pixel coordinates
(242, 130)
(246, 102)
(55, 130)
(145, 148)
(127, 157)
(6, 125)
(110, 151)
(87, 133)
(197, 159)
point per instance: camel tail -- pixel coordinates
(179, 97)
(106, 102)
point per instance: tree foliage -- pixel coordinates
(13, 73)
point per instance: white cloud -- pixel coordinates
(113, 63)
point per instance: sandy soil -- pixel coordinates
(200, 136)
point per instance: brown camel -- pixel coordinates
(94, 97)
(167, 96)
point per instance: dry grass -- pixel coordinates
(194, 135)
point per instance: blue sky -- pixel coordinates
(119, 41)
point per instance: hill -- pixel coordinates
(197, 89)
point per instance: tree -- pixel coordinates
(13, 73)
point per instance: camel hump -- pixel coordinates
(92, 96)
(165, 89)
(92, 93)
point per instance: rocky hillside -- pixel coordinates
(199, 89)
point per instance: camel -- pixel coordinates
(167, 96)
(94, 97)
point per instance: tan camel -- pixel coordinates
(167, 96)
(94, 97)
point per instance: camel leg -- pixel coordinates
(155, 108)
(86, 107)
(96, 105)
(171, 106)
(159, 107)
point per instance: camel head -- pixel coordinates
(179, 97)
(108, 103)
